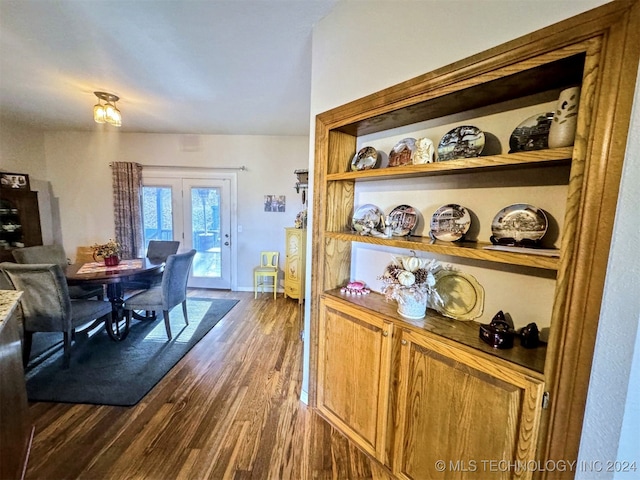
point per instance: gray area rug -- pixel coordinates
(104, 372)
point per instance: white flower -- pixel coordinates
(431, 280)
(406, 278)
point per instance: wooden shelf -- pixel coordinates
(474, 250)
(504, 161)
(465, 333)
(562, 293)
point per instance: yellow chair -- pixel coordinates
(268, 268)
(84, 255)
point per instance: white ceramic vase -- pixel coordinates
(410, 307)
(425, 151)
(563, 127)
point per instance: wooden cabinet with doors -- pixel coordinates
(412, 398)
(19, 221)
(354, 374)
(597, 51)
(294, 264)
(461, 415)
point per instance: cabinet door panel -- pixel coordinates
(354, 372)
(478, 419)
(294, 263)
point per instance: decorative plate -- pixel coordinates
(366, 219)
(461, 142)
(519, 224)
(462, 296)
(403, 220)
(365, 159)
(450, 222)
(402, 153)
(532, 134)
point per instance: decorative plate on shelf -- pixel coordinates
(367, 219)
(402, 152)
(519, 224)
(365, 159)
(461, 142)
(462, 296)
(450, 222)
(403, 220)
(532, 134)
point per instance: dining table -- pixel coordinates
(114, 278)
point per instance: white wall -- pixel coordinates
(71, 170)
(22, 151)
(362, 47)
(78, 168)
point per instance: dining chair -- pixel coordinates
(84, 254)
(56, 254)
(268, 268)
(46, 304)
(171, 292)
(157, 251)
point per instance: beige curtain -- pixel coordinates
(127, 183)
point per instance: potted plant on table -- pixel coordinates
(109, 252)
(410, 281)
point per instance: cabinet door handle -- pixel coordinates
(385, 333)
(403, 342)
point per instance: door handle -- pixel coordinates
(226, 244)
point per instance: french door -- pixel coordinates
(198, 213)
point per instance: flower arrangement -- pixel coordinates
(105, 250)
(411, 276)
(301, 219)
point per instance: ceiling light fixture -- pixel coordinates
(108, 112)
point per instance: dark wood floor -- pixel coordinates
(229, 409)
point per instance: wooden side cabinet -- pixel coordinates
(354, 374)
(460, 416)
(294, 267)
(423, 406)
(16, 431)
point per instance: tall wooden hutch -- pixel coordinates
(411, 392)
(19, 221)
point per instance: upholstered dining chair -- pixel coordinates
(268, 268)
(159, 250)
(171, 292)
(46, 305)
(56, 254)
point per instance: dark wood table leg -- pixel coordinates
(147, 315)
(117, 324)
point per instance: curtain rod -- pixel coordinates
(242, 167)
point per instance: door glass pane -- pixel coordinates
(157, 215)
(205, 226)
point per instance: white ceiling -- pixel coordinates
(178, 66)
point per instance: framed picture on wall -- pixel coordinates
(275, 203)
(18, 181)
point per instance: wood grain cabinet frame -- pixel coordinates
(597, 50)
(463, 416)
(354, 374)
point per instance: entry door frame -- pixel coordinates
(207, 174)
